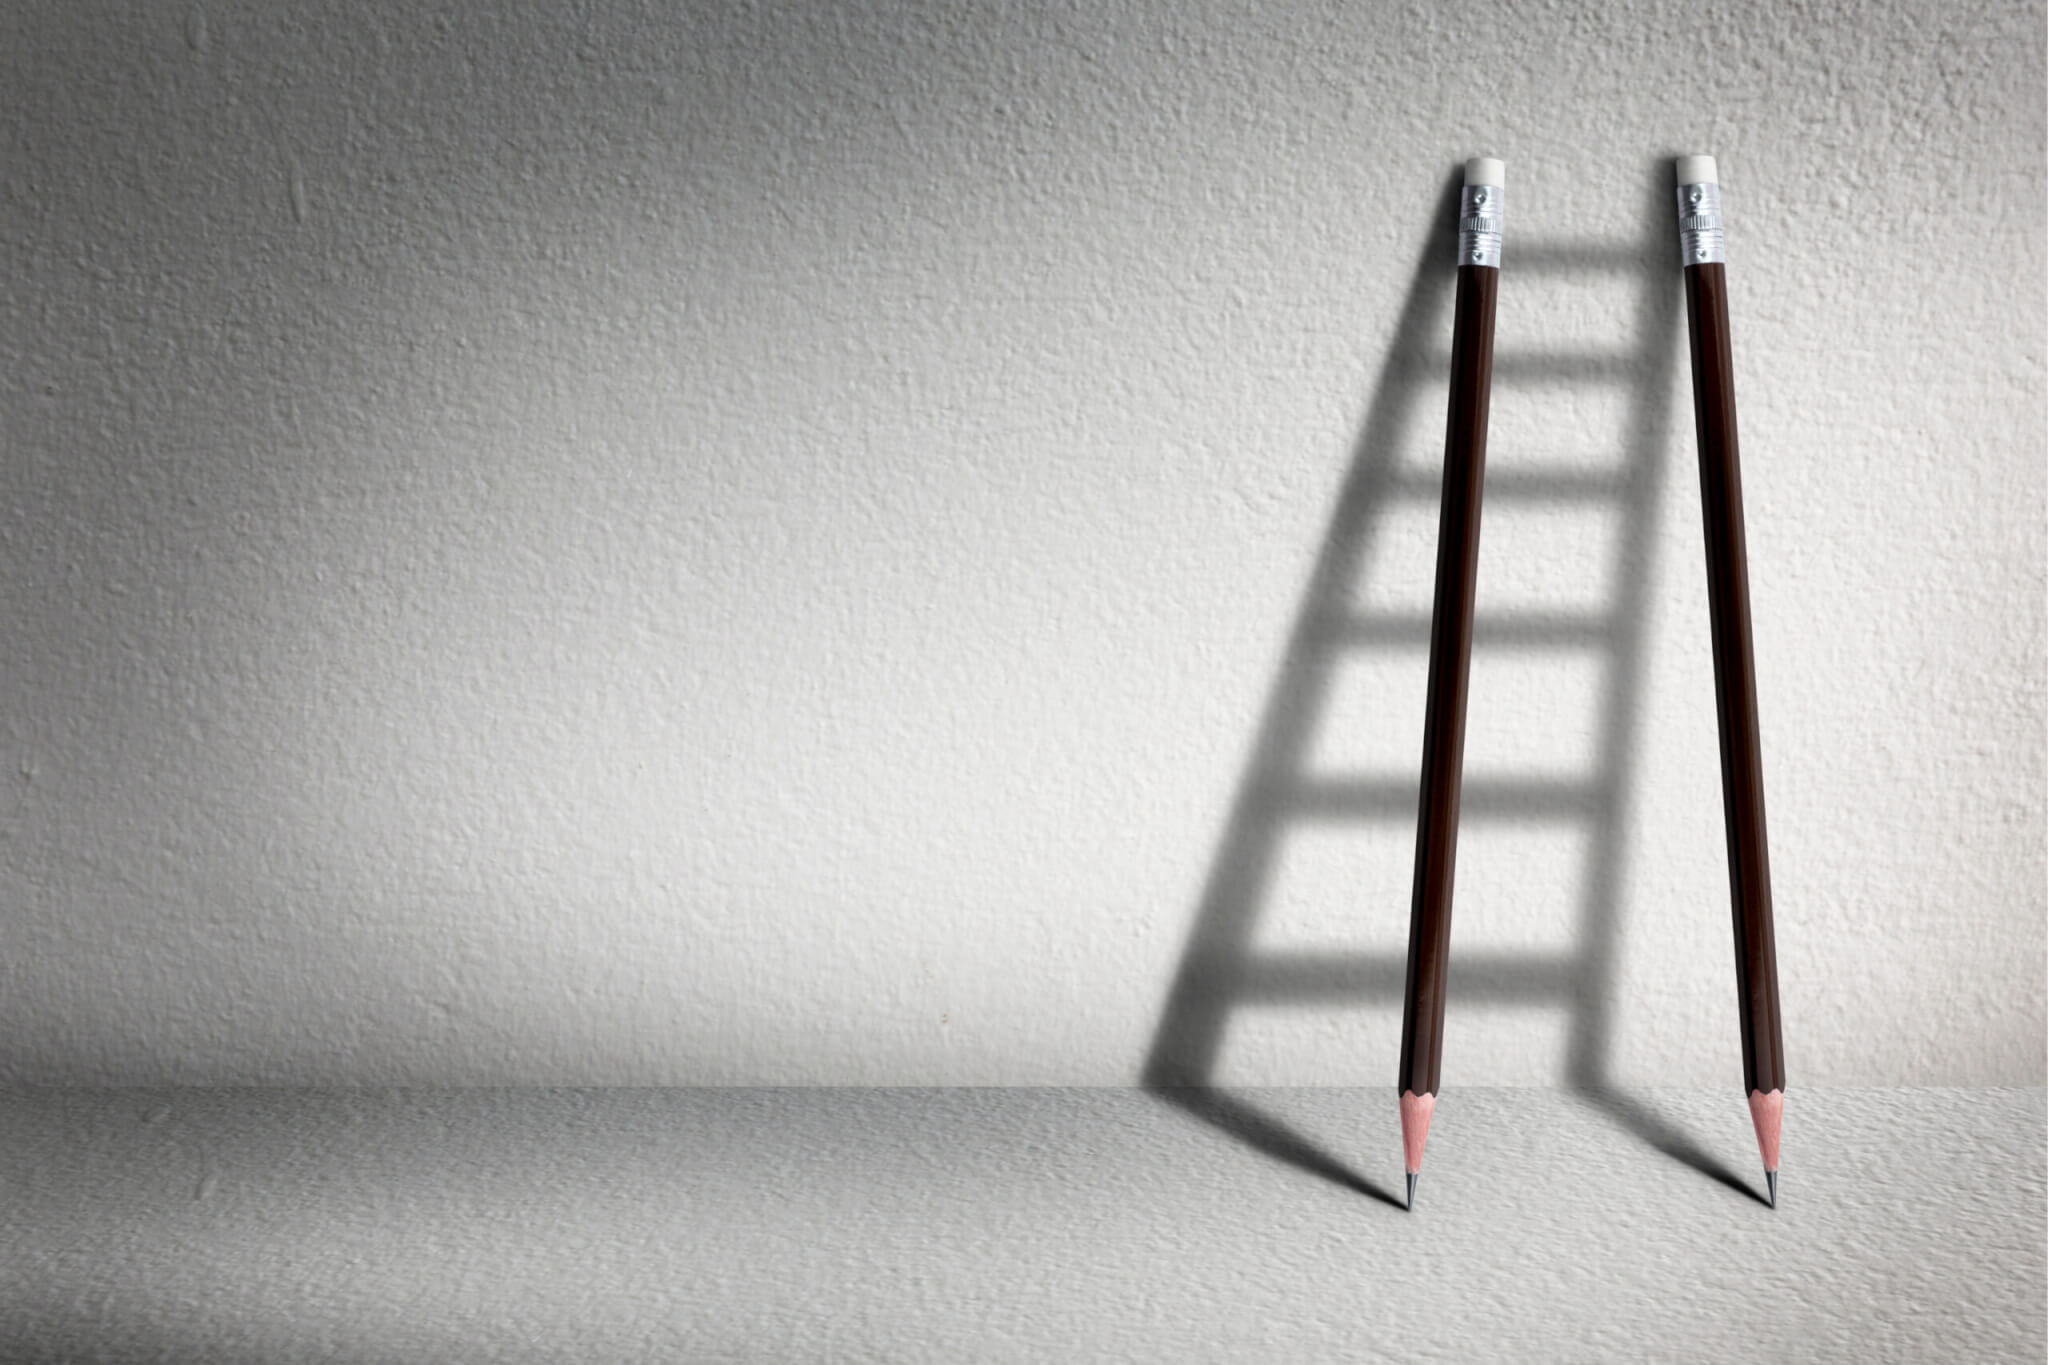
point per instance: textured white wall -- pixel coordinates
(562, 545)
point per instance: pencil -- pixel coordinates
(1742, 779)
(1450, 654)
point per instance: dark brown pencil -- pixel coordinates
(1450, 654)
(1742, 778)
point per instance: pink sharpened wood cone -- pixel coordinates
(1768, 1111)
(1415, 1112)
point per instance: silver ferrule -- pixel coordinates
(1479, 215)
(1699, 224)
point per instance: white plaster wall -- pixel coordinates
(598, 544)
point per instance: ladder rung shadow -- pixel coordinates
(1518, 485)
(1396, 798)
(1410, 631)
(1540, 367)
(1552, 367)
(1577, 367)
(1340, 978)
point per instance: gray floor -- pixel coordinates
(1057, 1225)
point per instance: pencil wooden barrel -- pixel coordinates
(1742, 782)
(1450, 670)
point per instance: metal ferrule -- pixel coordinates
(1479, 217)
(1699, 224)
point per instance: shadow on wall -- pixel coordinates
(1221, 972)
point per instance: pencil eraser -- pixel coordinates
(1697, 170)
(1485, 170)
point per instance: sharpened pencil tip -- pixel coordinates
(1771, 1179)
(1412, 1178)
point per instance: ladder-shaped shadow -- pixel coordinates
(1221, 971)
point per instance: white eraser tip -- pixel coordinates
(1486, 170)
(1697, 170)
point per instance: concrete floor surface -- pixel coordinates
(1014, 1225)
